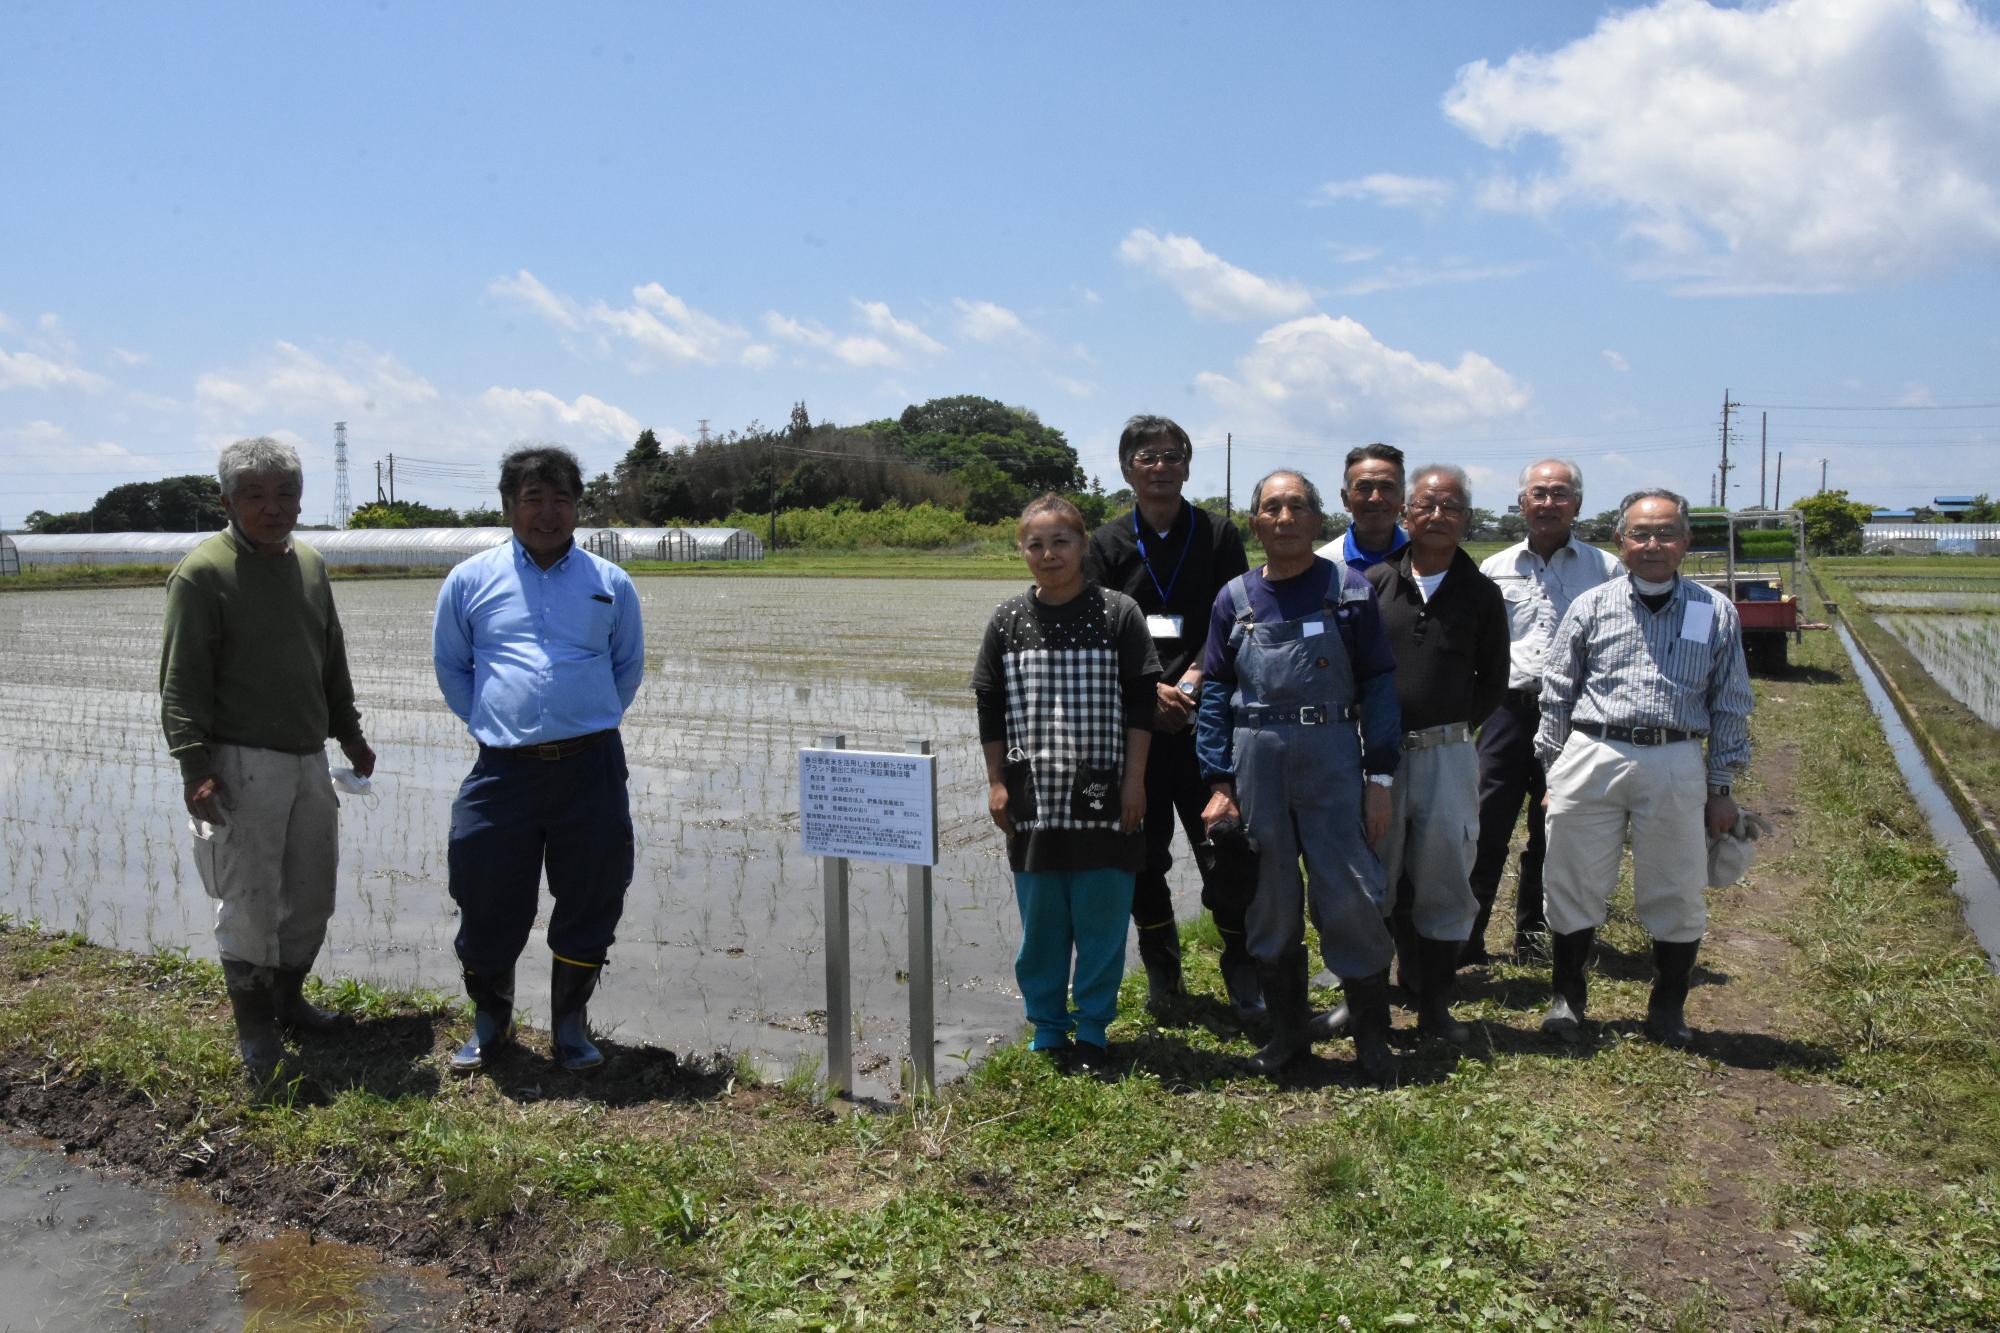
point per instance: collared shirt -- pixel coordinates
(1615, 663)
(1451, 648)
(1178, 574)
(526, 655)
(1358, 557)
(1538, 594)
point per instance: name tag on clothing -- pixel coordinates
(1700, 619)
(1164, 627)
(1310, 628)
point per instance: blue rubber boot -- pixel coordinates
(492, 1020)
(569, 1024)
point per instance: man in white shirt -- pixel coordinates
(1539, 578)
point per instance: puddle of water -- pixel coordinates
(1975, 885)
(82, 1251)
(722, 934)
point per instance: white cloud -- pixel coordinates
(1615, 360)
(1802, 145)
(668, 330)
(805, 332)
(889, 341)
(293, 381)
(1916, 395)
(1353, 254)
(1399, 276)
(526, 289)
(1324, 374)
(29, 370)
(522, 410)
(1392, 191)
(900, 333)
(1075, 388)
(1212, 287)
(125, 356)
(983, 321)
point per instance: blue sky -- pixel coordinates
(1485, 232)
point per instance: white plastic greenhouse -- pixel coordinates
(414, 548)
(1931, 538)
(10, 559)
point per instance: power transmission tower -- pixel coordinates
(702, 426)
(343, 504)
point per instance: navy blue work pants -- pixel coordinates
(516, 815)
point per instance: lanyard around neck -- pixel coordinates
(1147, 560)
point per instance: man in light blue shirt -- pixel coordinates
(539, 649)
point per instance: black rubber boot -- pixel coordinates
(1440, 971)
(1409, 960)
(252, 1000)
(1474, 953)
(1569, 981)
(569, 1024)
(1666, 1020)
(1368, 1002)
(1239, 976)
(297, 1014)
(1285, 1005)
(492, 1019)
(1160, 952)
(1332, 1024)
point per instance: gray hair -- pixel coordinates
(1451, 472)
(1575, 474)
(260, 456)
(1312, 492)
(1654, 493)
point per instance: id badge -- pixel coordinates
(1164, 627)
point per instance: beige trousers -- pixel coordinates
(270, 865)
(1597, 789)
(1433, 837)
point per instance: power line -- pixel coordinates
(1901, 407)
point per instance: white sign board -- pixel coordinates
(869, 805)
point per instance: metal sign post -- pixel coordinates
(872, 806)
(923, 1005)
(839, 985)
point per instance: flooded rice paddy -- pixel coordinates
(721, 941)
(1961, 653)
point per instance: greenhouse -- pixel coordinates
(1931, 538)
(401, 548)
(10, 559)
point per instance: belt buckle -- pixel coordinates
(1312, 715)
(1648, 736)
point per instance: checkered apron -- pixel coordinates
(1064, 708)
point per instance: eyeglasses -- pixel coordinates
(1159, 458)
(1559, 494)
(1652, 536)
(1449, 508)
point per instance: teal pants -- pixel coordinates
(1071, 915)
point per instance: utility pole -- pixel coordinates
(378, 481)
(1822, 476)
(1228, 466)
(1763, 454)
(1778, 495)
(1722, 488)
(392, 478)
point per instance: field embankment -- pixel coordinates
(1827, 1156)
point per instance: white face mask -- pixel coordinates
(1651, 588)
(347, 780)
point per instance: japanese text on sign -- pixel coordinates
(869, 805)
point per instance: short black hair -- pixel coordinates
(549, 464)
(1361, 453)
(1144, 429)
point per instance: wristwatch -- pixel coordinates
(1383, 779)
(1718, 789)
(1185, 687)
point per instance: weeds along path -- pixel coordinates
(1824, 1158)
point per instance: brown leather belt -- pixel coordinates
(551, 750)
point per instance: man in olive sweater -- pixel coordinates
(253, 680)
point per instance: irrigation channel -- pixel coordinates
(80, 1250)
(722, 934)
(1975, 883)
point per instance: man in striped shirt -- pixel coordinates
(1641, 671)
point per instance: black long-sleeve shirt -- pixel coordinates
(1178, 574)
(1452, 651)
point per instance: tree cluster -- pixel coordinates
(191, 503)
(415, 514)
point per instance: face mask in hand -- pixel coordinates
(347, 780)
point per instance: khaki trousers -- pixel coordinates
(1597, 790)
(1434, 838)
(270, 866)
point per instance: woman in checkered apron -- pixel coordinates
(1065, 686)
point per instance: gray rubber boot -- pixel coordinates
(1239, 976)
(1285, 1006)
(569, 1024)
(492, 1020)
(297, 1014)
(253, 1002)
(1160, 952)
(1368, 1002)
(1569, 980)
(1666, 1009)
